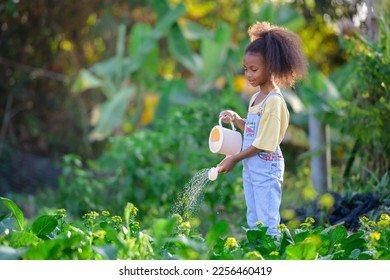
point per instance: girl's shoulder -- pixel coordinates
(275, 98)
(275, 102)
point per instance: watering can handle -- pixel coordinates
(220, 124)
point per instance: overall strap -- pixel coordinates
(277, 93)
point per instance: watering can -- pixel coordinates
(223, 141)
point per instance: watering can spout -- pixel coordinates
(213, 173)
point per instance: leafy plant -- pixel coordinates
(103, 236)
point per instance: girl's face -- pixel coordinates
(255, 70)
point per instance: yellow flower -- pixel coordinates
(281, 227)
(274, 253)
(383, 223)
(116, 219)
(259, 224)
(100, 233)
(106, 213)
(150, 105)
(326, 201)
(230, 243)
(239, 83)
(384, 217)
(371, 223)
(310, 220)
(288, 214)
(185, 225)
(254, 254)
(375, 235)
(91, 215)
(178, 218)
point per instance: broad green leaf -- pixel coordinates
(120, 41)
(181, 50)
(164, 23)
(337, 235)
(111, 113)
(214, 56)
(267, 13)
(108, 252)
(217, 230)
(85, 80)
(301, 251)
(188, 244)
(15, 210)
(143, 48)
(194, 31)
(255, 235)
(23, 239)
(141, 41)
(161, 7)
(44, 225)
(55, 249)
(354, 241)
(354, 254)
(289, 18)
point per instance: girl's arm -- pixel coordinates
(229, 162)
(240, 123)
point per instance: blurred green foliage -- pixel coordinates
(103, 236)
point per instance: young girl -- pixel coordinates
(272, 58)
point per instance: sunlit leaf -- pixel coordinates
(112, 113)
(194, 31)
(181, 50)
(85, 80)
(15, 210)
(44, 225)
(22, 239)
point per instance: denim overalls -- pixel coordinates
(262, 177)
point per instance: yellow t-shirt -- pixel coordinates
(273, 123)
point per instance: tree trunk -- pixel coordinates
(320, 146)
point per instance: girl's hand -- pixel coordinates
(228, 116)
(227, 164)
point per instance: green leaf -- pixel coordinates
(111, 113)
(120, 42)
(214, 53)
(167, 20)
(354, 254)
(301, 251)
(85, 80)
(337, 235)
(44, 225)
(181, 50)
(255, 235)
(108, 252)
(161, 7)
(194, 31)
(22, 239)
(217, 230)
(289, 18)
(60, 248)
(18, 214)
(143, 48)
(267, 13)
